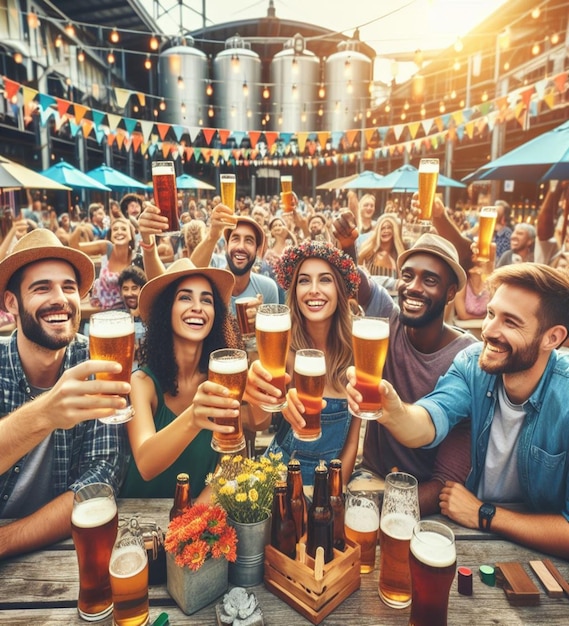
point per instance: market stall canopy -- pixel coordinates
(16, 176)
(185, 181)
(116, 180)
(406, 178)
(365, 180)
(337, 183)
(66, 174)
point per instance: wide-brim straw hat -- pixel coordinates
(41, 244)
(244, 219)
(223, 280)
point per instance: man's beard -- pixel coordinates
(523, 360)
(33, 330)
(239, 271)
(432, 313)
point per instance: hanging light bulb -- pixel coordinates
(453, 94)
(245, 89)
(321, 91)
(506, 66)
(349, 87)
(154, 43)
(368, 114)
(235, 62)
(555, 39)
(70, 30)
(147, 63)
(18, 58)
(456, 65)
(210, 112)
(209, 90)
(233, 111)
(442, 107)
(180, 82)
(406, 105)
(458, 45)
(200, 122)
(81, 55)
(114, 36)
(320, 111)
(294, 65)
(485, 96)
(135, 108)
(423, 110)
(536, 13)
(266, 93)
(387, 107)
(33, 20)
(403, 116)
(111, 57)
(249, 113)
(303, 114)
(58, 41)
(155, 112)
(183, 108)
(162, 105)
(347, 66)
(535, 50)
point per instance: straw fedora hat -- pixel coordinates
(223, 280)
(245, 219)
(39, 245)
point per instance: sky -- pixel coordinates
(388, 26)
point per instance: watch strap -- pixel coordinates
(486, 513)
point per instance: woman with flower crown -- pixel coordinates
(319, 280)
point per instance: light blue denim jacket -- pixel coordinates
(466, 391)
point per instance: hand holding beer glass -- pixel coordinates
(272, 328)
(111, 338)
(370, 341)
(246, 326)
(166, 194)
(399, 514)
(309, 378)
(94, 522)
(428, 177)
(432, 562)
(228, 367)
(286, 193)
(486, 224)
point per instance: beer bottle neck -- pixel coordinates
(320, 489)
(294, 484)
(335, 482)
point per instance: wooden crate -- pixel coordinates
(313, 588)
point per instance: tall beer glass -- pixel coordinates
(309, 378)
(165, 193)
(486, 224)
(128, 572)
(432, 562)
(428, 176)
(272, 327)
(227, 190)
(399, 514)
(228, 367)
(370, 340)
(286, 189)
(111, 338)
(246, 327)
(94, 522)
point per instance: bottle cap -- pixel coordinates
(294, 464)
(465, 581)
(335, 463)
(183, 477)
(488, 575)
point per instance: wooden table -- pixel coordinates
(41, 588)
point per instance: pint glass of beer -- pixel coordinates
(272, 328)
(486, 224)
(370, 340)
(111, 338)
(428, 176)
(399, 514)
(227, 190)
(309, 377)
(241, 304)
(432, 562)
(228, 367)
(94, 522)
(286, 189)
(165, 193)
(128, 572)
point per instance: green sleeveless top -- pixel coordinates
(197, 460)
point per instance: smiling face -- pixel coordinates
(193, 309)
(316, 290)
(120, 231)
(130, 292)
(241, 249)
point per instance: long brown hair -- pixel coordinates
(372, 244)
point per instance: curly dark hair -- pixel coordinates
(157, 347)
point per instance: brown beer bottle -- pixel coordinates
(182, 498)
(295, 495)
(320, 528)
(283, 532)
(335, 487)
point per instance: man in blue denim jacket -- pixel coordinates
(51, 443)
(514, 388)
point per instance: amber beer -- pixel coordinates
(227, 190)
(432, 562)
(286, 189)
(228, 367)
(94, 523)
(309, 377)
(165, 192)
(395, 533)
(370, 341)
(272, 328)
(241, 305)
(428, 176)
(361, 524)
(129, 583)
(486, 224)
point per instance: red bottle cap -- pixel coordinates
(465, 581)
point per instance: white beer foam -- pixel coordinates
(228, 365)
(429, 167)
(93, 512)
(433, 549)
(161, 170)
(367, 328)
(309, 366)
(362, 519)
(127, 561)
(398, 526)
(272, 323)
(112, 327)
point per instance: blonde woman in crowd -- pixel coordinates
(379, 252)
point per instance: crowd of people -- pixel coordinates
(482, 424)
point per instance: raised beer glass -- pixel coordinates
(399, 514)
(227, 190)
(286, 189)
(166, 194)
(370, 341)
(229, 367)
(245, 326)
(486, 224)
(432, 562)
(272, 328)
(94, 522)
(111, 338)
(428, 176)
(309, 378)
(128, 571)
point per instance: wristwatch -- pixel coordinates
(486, 513)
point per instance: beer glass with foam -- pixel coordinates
(309, 378)
(361, 521)
(399, 514)
(432, 562)
(94, 522)
(486, 224)
(111, 338)
(428, 177)
(228, 367)
(272, 328)
(128, 571)
(370, 341)
(227, 190)
(286, 192)
(246, 327)
(165, 193)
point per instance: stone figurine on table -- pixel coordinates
(239, 608)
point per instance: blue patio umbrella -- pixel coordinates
(185, 181)
(544, 157)
(406, 178)
(66, 174)
(116, 180)
(364, 180)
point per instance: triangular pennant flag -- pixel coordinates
(188, 153)
(62, 106)
(45, 114)
(469, 128)
(336, 137)
(526, 96)
(457, 118)
(151, 148)
(351, 136)
(120, 140)
(540, 87)
(122, 96)
(141, 98)
(397, 130)
(224, 135)
(560, 82)
(193, 132)
(146, 129)
(271, 137)
(166, 149)
(143, 148)
(29, 94)
(113, 120)
(98, 117)
(206, 154)
(208, 134)
(79, 111)
(301, 139)
(254, 136)
(46, 101)
(73, 127)
(446, 120)
(129, 124)
(11, 88)
(162, 130)
(549, 99)
(197, 154)
(368, 134)
(87, 127)
(382, 132)
(238, 136)
(323, 138)
(460, 132)
(111, 139)
(286, 138)
(178, 131)
(414, 128)
(136, 141)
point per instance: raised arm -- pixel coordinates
(449, 230)
(150, 224)
(221, 218)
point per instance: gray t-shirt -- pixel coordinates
(259, 284)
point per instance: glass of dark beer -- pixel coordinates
(246, 327)
(309, 378)
(229, 367)
(94, 522)
(432, 562)
(166, 194)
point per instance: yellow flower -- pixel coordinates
(242, 478)
(226, 490)
(241, 497)
(262, 477)
(253, 495)
(265, 461)
(225, 458)
(222, 481)
(237, 458)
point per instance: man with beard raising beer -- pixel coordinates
(51, 443)
(513, 389)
